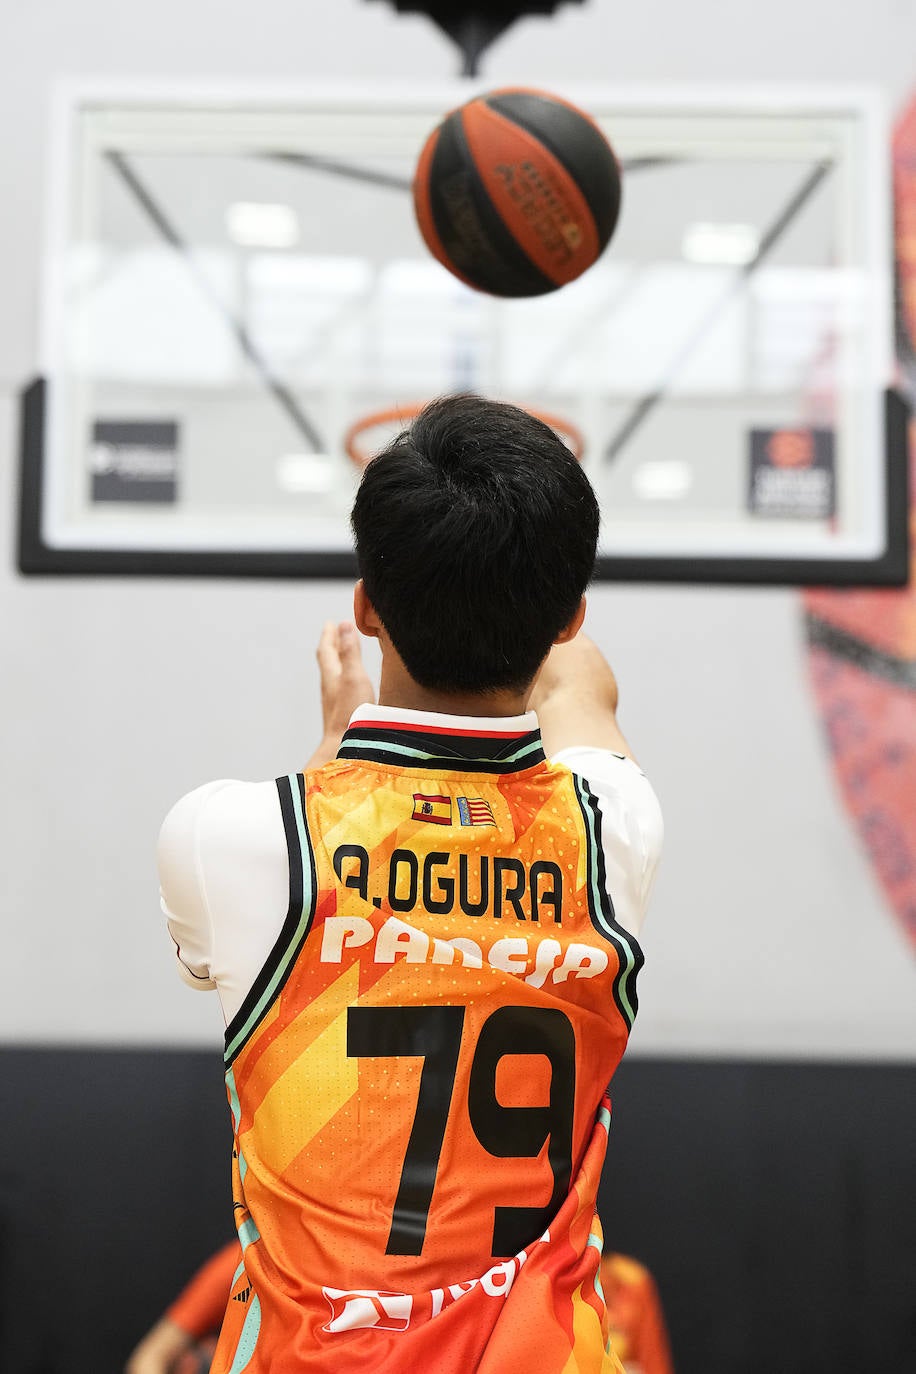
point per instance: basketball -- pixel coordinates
(517, 192)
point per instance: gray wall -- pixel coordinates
(768, 933)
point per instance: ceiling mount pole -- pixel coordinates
(474, 24)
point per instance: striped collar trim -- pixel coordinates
(427, 739)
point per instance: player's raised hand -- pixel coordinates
(576, 665)
(575, 697)
(345, 684)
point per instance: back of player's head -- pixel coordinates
(475, 532)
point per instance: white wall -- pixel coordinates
(768, 933)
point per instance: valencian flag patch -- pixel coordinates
(436, 810)
(475, 811)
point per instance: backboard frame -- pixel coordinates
(35, 556)
(39, 555)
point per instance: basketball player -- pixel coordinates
(425, 944)
(638, 1331)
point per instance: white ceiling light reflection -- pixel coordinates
(258, 224)
(668, 480)
(305, 474)
(720, 245)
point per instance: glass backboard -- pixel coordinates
(235, 283)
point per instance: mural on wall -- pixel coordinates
(862, 644)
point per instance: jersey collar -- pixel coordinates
(403, 738)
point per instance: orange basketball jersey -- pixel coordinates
(417, 1078)
(638, 1328)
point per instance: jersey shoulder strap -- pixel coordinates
(303, 894)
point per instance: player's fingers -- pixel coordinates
(350, 650)
(327, 654)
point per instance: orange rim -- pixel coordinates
(571, 434)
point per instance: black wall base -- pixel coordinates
(776, 1206)
(773, 1202)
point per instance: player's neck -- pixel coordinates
(398, 688)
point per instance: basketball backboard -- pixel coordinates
(234, 280)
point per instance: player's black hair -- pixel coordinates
(476, 532)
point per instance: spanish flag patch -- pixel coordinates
(436, 810)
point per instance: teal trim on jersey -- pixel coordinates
(237, 1275)
(248, 1234)
(236, 1111)
(457, 765)
(629, 954)
(604, 1117)
(294, 944)
(357, 742)
(248, 1338)
(595, 1243)
(234, 1106)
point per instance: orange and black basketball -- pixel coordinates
(517, 192)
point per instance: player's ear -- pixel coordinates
(575, 625)
(364, 613)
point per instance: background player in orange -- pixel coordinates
(425, 944)
(183, 1339)
(638, 1332)
(179, 1342)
